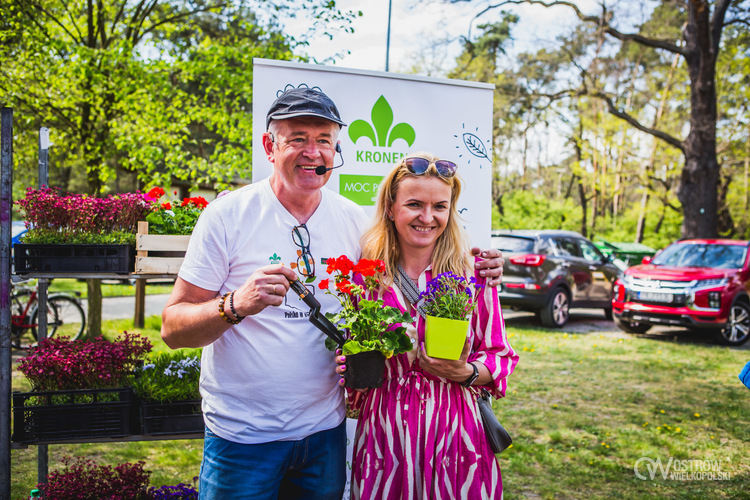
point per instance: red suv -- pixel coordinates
(698, 284)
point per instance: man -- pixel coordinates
(273, 409)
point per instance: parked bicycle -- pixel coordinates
(65, 316)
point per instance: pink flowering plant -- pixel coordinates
(54, 218)
(173, 216)
(450, 296)
(58, 364)
(84, 479)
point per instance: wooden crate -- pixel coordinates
(158, 253)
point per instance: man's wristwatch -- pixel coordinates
(475, 374)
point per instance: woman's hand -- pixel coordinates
(455, 370)
(340, 366)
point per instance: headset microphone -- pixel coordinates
(321, 169)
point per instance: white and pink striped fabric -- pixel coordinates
(420, 436)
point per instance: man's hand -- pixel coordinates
(265, 287)
(492, 265)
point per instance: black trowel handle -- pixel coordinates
(320, 321)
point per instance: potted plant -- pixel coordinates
(173, 216)
(164, 235)
(80, 389)
(373, 332)
(86, 480)
(167, 385)
(448, 302)
(78, 233)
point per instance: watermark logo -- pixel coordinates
(646, 468)
(380, 131)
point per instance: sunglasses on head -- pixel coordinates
(418, 166)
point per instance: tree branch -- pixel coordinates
(632, 121)
(629, 37)
(717, 23)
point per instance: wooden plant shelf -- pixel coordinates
(158, 253)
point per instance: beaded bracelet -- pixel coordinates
(231, 307)
(221, 310)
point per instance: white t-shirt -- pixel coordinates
(269, 378)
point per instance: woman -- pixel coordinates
(420, 434)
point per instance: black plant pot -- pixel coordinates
(364, 370)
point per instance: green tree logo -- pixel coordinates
(382, 119)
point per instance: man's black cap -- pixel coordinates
(303, 101)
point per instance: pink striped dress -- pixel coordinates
(420, 436)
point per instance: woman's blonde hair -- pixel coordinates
(380, 241)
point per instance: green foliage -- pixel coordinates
(370, 325)
(136, 95)
(169, 377)
(527, 210)
(366, 328)
(54, 237)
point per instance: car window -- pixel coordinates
(702, 255)
(566, 247)
(589, 251)
(512, 244)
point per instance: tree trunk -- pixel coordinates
(582, 197)
(94, 320)
(698, 191)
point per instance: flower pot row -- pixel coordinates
(55, 416)
(152, 254)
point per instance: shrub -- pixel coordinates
(80, 219)
(83, 479)
(58, 364)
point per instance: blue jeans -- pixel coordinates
(311, 468)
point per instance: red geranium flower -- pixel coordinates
(166, 206)
(155, 193)
(323, 285)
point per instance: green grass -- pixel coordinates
(108, 289)
(582, 409)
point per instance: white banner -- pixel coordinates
(389, 115)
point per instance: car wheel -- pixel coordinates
(608, 313)
(557, 310)
(632, 326)
(737, 330)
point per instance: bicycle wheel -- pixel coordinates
(65, 318)
(19, 321)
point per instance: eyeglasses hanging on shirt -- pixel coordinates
(305, 261)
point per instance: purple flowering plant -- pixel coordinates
(58, 364)
(170, 376)
(181, 491)
(451, 296)
(54, 218)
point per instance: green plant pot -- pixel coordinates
(445, 338)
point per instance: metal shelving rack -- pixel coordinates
(6, 203)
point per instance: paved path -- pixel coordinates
(124, 307)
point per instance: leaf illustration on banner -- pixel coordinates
(360, 128)
(474, 145)
(382, 118)
(402, 131)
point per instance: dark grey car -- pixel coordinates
(549, 272)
